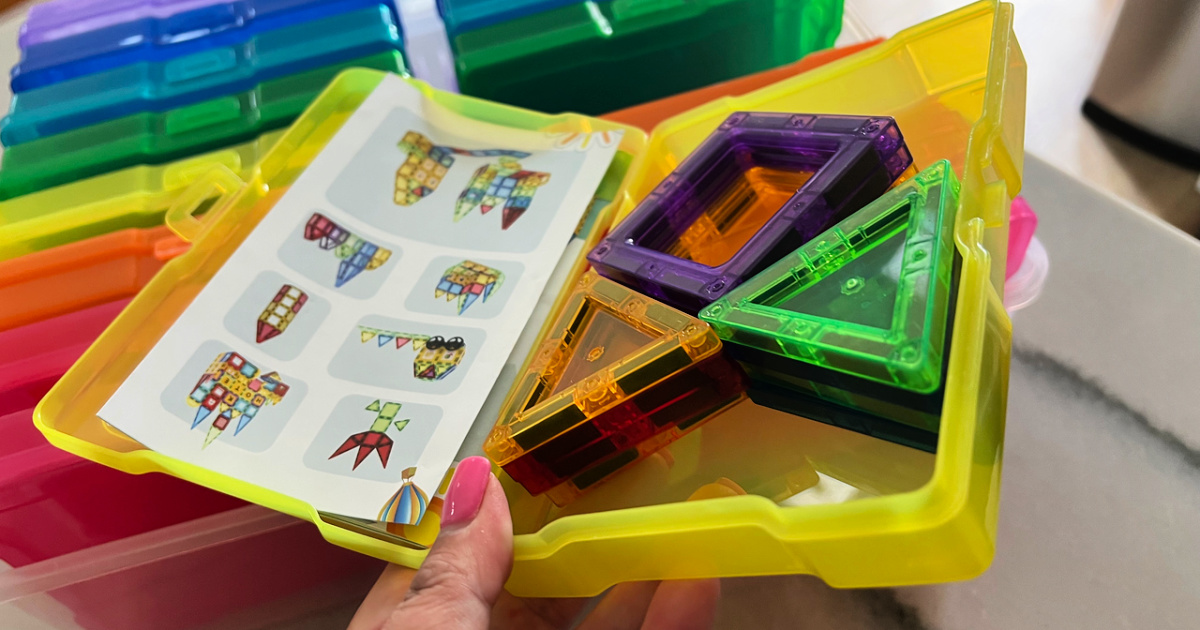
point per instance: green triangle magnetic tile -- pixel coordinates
(868, 298)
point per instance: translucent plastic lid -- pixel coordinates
(64, 18)
(461, 16)
(162, 85)
(181, 34)
(154, 138)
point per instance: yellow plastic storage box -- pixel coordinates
(792, 495)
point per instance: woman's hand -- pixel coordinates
(461, 584)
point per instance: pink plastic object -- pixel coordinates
(244, 569)
(51, 502)
(1022, 223)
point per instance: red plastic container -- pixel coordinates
(53, 502)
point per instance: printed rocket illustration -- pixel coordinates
(436, 357)
(375, 438)
(425, 166)
(356, 253)
(468, 281)
(233, 388)
(500, 183)
(280, 312)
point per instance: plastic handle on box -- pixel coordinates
(181, 217)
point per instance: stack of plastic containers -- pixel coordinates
(120, 106)
(596, 57)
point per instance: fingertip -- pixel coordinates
(467, 491)
(684, 605)
(470, 561)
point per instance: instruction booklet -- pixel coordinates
(342, 353)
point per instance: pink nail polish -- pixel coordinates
(465, 494)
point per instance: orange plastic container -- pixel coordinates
(648, 115)
(77, 275)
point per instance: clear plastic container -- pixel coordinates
(151, 39)
(133, 197)
(467, 15)
(247, 568)
(157, 137)
(52, 502)
(160, 86)
(596, 57)
(63, 18)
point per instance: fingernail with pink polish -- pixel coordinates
(466, 491)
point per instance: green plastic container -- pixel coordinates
(597, 57)
(159, 137)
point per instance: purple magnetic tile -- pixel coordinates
(853, 160)
(64, 18)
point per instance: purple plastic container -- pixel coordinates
(64, 18)
(758, 188)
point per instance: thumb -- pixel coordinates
(466, 569)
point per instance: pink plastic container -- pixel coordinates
(243, 569)
(52, 502)
(1022, 223)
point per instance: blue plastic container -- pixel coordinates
(161, 86)
(181, 34)
(461, 16)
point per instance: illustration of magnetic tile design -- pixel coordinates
(357, 254)
(375, 439)
(502, 182)
(621, 376)
(279, 312)
(426, 164)
(436, 356)
(859, 316)
(759, 187)
(234, 388)
(467, 282)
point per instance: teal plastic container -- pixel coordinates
(597, 57)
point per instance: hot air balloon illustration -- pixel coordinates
(468, 281)
(425, 166)
(233, 388)
(502, 183)
(436, 356)
(280, 312)
(357, 255)
(374, 438)
(408, 505)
